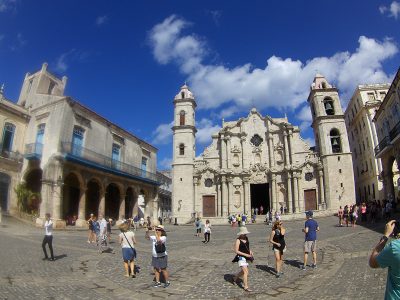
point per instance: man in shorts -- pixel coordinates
(310, 244)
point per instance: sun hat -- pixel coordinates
(161, 227)
(243, 230)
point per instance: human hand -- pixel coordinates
(389, 228)
(278, 244)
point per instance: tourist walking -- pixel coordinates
(91, 237)
(207, 231)
(198, 224)
(354, 215)
(277, 239)
(109, 224)
(363, 212)
(388, 256)
(127, 241)
(310, 243)
(48, 238)
(340, 216)
(159, 254)
(346, 215)
(243, 256)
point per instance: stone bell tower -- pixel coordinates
(184, 142)
(332, 143)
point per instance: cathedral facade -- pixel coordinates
(259, 161)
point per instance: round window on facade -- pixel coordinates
(208, 182)
(256, 140)
(309, 176)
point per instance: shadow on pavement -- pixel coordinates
(266, 268)
(57, 257)
(293, 262)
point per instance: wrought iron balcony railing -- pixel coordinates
(86, 154)
(382, 145)
(15, 156)
(395, 131)
(33, 151)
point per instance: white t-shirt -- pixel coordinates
(154, 240)
(103, 226)
(207, 228)
(129, 235)
(48, 226)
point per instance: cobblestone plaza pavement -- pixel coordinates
(197, 270)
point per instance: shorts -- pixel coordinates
(242, 262)
(279, 250)
(128, 254)
(160, 262)
(310, 246)
(198, 230)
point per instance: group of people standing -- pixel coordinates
(207, 229)
(244, 255)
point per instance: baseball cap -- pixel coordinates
(309, 213)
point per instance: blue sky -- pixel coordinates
(127, 59)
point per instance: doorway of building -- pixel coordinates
(208, 206)
(4, 188)
(259, 194)
(310, 199)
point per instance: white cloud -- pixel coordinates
(18, 43)
(64, 60)
(282, 83)
(205, 128)
(163, 134)
(6, 5)
(310, 141)
(227, 112)
(393, 10)
(166, 163)
(100, 20)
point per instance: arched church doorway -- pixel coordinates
(71, 195)
(112, 201)
(92, 197)
(259, 194)
(4, 189)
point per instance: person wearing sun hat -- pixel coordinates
(310, 244)
(159, 254)
(243, 256)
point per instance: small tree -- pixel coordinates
(25, 198)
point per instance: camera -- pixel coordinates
(396, 229)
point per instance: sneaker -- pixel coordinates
(303, 268)
(52, 259)
(45, 258)
(277, 275)
(167, 284)
(314, 266)
(157, 284)
(281, 273)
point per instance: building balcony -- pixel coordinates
(394, 134)
(382, 147)
(101, 162)
(33, 151)
(11, 155)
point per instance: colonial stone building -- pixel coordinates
(363, 139)
(262, 161)
(387, 120)
(78, 161)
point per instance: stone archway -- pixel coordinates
(33, 179)
(93, 194)
(112, 201)
(130, 202)
(71, 196)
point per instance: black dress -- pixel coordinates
(279, 238)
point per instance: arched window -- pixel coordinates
(182, 118)
(328, 104)
(183, 95)
(8, 136)
(335, 141)
(323, 85)
(181, 149)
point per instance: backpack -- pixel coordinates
(160, 247)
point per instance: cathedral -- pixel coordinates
(259, 161)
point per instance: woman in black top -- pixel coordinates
(277, 239)
(243, 255)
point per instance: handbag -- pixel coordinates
(160, 247)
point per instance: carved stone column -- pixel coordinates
(285, 140)
(81, 221)
(271, 151)
(290, 137)
(230, 195)
(224, 196)
(274, 200)
(246, 196)
(196, 203)
(219, 198)
(289, 192)
(223, 152)
(102, 204)
(242, 140)
(228, 152)
(301, 193)
(122, 201)
(296, 193)
(322, 204)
